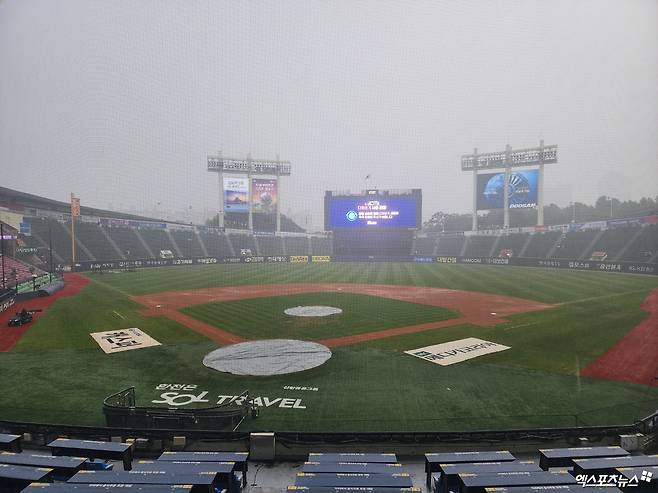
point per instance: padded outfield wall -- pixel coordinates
(574, 264)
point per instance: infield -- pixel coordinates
(57, 373)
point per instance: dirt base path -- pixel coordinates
(635, 357)
(476, 308)
(9, 336)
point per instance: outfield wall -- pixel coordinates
(588, 265)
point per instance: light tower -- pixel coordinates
(533, 158)
(248, 167)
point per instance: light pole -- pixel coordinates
(2, 254)
(573, 212)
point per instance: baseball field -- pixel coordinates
(582, 346)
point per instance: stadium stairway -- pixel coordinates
(144, 244)
(202, 245)
(175, 246)
(157, 240)
(627, 245)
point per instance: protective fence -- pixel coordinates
(121, 411)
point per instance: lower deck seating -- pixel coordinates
(297, 245)
(17, 272)
(270, 245)
(450, 245)
(541, 244)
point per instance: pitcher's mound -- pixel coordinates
(267, 357)
(312, 311)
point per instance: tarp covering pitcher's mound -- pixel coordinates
(312, 311)
(267, 357)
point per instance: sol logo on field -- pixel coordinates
(176, 399)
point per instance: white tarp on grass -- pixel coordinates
(267, 357)
(114, 341)
(312, 311)
(456, 351)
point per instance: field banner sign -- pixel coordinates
(114, 341)
(456, 351)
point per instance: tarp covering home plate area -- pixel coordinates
(267, 357)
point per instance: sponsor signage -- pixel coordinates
(7, 301)
(115, 341)
(177, 395)
(236, 192)
(264, 195)
(254, 260)
(258, 167)
(423, 259)
(130, 223)
(522, 190)
(453, 352)
(26, 250)
(629, 267)
(520, 157)
(277, 259)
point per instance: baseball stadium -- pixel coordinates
(573, 336)
(171, 284)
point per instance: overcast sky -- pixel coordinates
(121, 101)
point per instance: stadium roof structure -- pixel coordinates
(16, 200)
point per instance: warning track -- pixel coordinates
(633, 358)
(476, 308)
(9, 336)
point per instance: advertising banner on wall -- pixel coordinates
(236, 191)
(522, 190)
(264, 195)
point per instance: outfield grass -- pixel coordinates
(57, 373)
(264, 318)
(548, 286)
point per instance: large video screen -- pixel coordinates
(373, 212)
(522, 190)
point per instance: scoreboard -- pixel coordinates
(373, 210)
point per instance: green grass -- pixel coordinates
(548, 286)
(57, 373)
(264, 318)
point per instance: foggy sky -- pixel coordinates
(121, 101)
